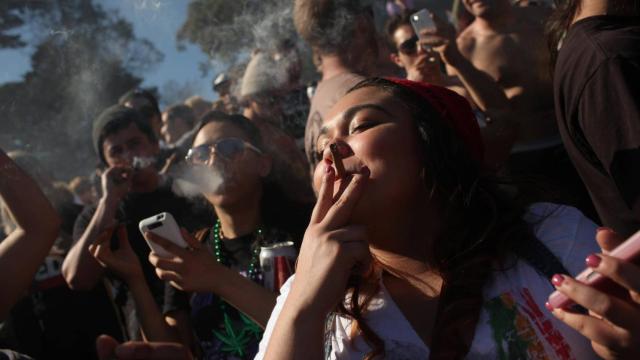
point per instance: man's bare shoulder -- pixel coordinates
(466, 39)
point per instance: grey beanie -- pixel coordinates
(263, 74)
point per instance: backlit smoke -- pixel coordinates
(142, 162)
(193, 181)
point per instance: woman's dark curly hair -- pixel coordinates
(481, 225)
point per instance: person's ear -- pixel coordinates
(395, 58)
(264, 165)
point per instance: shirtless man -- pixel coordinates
(508, 43)
(422, 61)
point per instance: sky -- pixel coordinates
(155, 20)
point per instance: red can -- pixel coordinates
(277, 262)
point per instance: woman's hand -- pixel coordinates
(332, 250)
(192, 269)
(108, 349)
(613, 324)
(122, 261)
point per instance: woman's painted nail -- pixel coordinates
(603, 228)
(557, 279)
(548, 306)
(593, 260)
(327, 169)
(365, 171)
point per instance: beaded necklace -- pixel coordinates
(254, 264)
(236, 338)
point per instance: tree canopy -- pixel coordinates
(226, 30)
(85, 57)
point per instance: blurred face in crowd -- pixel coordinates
(120, 148)
(226, 150)
(88, 196)
(373, 129)
(482, 8)
(173, 128)
(267, 106)
(223, 90)
(409, 55)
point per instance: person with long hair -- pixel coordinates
(413, 252)
(216, 291)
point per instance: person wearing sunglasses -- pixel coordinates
(425, 63)
(215, 304)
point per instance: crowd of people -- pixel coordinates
(437, 183)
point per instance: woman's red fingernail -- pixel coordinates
(365, 171)
(593, 260)
(327, 169)
(557, 279)
(548, 306)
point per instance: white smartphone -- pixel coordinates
(422, 20)
(164, 225)
(627, 251)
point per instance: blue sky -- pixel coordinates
(155, 20)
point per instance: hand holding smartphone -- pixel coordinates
(627, 251)
(422, 20)
(163, 225)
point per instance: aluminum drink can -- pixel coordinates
(277, 262)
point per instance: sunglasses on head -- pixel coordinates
(409, 46)
(228, 148)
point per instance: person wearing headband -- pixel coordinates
(414, 251)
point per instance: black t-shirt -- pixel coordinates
(597, 96)
(207, 316)
(55, 322)
(136, 207)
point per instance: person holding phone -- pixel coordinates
(415, 252)
(487, 99)
(215, 304)
(129, 195)
(613, 321)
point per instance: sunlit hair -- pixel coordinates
(480, 226)
(327, 25)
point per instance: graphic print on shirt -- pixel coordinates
(228, 334)
(514, 319)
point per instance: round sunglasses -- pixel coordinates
(409, 46)
(228, 148)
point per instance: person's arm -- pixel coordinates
(180, 323)
(108, 349)
(483, 90)
(80, 269)
(126, 265)
(185, 270)
(331, 249)
(38, 225)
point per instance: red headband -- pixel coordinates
(454, 109)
